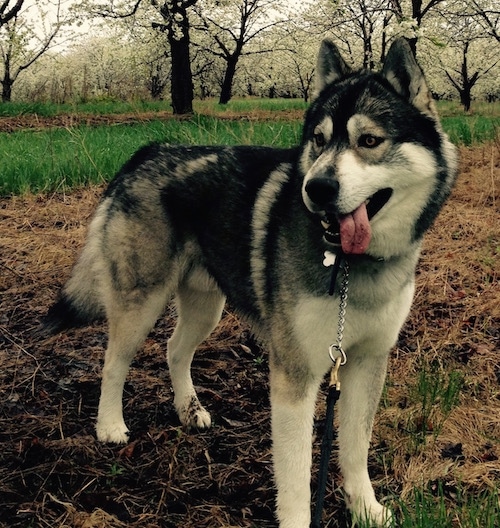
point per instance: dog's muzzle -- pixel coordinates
(351, 231)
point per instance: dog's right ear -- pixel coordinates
(407, 78)
(330, 66)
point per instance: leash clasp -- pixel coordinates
(335, 351)
(337, 355)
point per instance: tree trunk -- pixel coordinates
(6, 90)
(6, 82)
(181, 81)
(227, 83)
(175, 14)
(466, 98)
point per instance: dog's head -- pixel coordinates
(377, 166)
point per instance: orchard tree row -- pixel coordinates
(66, 50)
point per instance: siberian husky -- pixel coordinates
(199, 224)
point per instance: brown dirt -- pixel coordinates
(37, 122)
(53, 472)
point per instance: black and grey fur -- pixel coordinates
(252, 224)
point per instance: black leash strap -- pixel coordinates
(326, 451)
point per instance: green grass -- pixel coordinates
(449, 508)
(104, 107)
(109, 106)
(454, 108)
(61, 159)
(250, 105)
(445, 506)
(434, 395)
(470, 129)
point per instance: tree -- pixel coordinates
(366, 16)
(464, 82)
(473, 45)
(359, 24)
(232, 26)
(8, 13)
(419, 10)
(174, 23)
(488, 17)
(22, 42)
(175, 15)
(291, 69)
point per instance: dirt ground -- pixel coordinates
(53, 472)
(34, 121)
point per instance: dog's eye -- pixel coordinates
(319, 139)
(369, 141)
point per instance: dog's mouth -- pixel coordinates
(353, 231)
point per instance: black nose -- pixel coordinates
(322, 191)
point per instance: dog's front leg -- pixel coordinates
(292, 412)
(362, 379)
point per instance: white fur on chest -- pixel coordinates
(366, 331)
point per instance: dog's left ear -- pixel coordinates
(330, 66)
(406, 76)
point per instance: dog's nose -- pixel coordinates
(322, 191)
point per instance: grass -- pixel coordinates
(471, 129)
(243, 105)
(109, 106)
(432, 397)
(98, 107)
(428, 508)
(64, 158)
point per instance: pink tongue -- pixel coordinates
(355, 231)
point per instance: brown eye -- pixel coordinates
(319, 139)
(369, 141)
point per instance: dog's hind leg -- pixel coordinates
(199, 308)
(362, 379)
(129, 325)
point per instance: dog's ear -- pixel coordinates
(330, 66)
(405, 75)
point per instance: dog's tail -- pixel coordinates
(80, 301)
(68, 312)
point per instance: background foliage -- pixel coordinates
(122, 49)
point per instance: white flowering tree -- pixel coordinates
(231, 25)
(487, 13)
(411, 16)
(27, 31)
(471, 52)
(173, 21)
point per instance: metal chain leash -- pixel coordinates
(336, 352)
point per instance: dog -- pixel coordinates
(252, 224)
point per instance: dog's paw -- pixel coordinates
(114, 433)
(194, 415)
(372, 515)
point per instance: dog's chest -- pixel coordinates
(372, 328)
